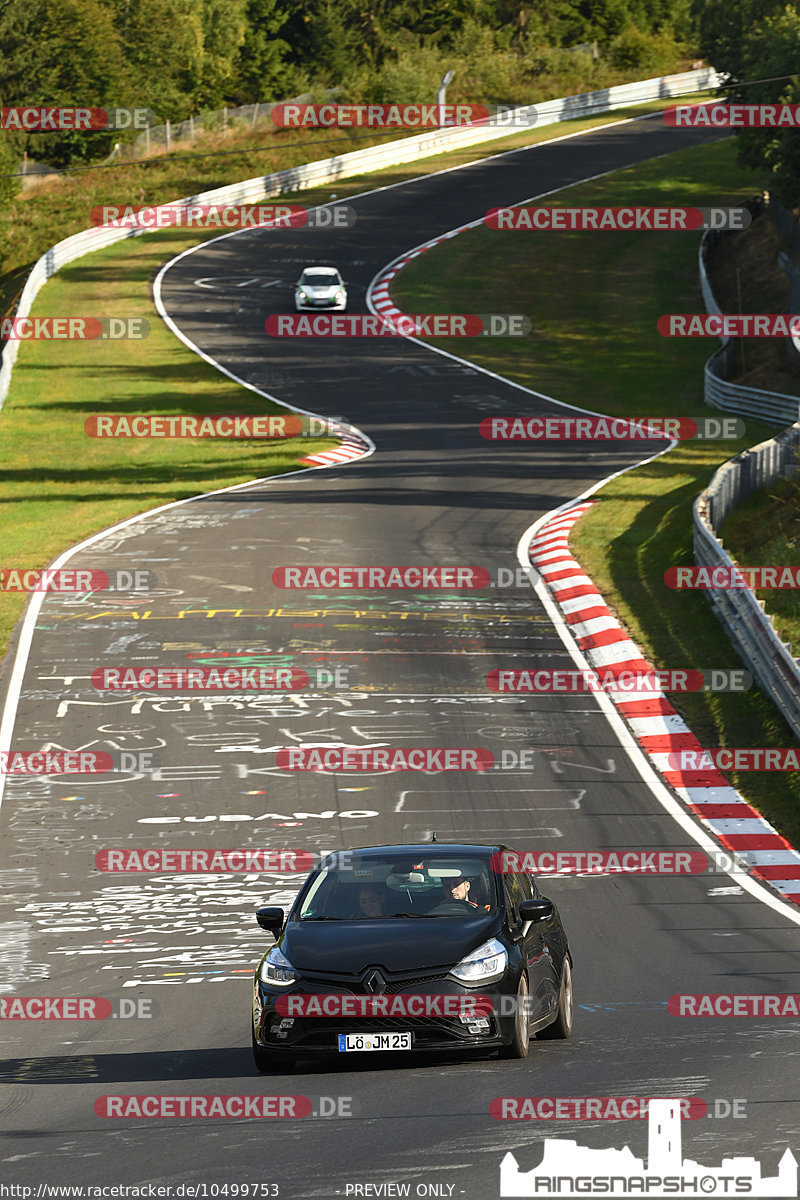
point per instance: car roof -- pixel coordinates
(426, 849)
(324, 270)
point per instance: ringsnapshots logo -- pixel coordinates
(222, 216)
(73, 329)
(618, 678)
(568, 1169)
(450, 325)
(617, 219)
(47, 119)
(610, 429)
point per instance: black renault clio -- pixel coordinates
(412, 948)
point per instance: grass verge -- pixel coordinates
(594, 303)
(58, 485)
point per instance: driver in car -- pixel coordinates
(457, 888)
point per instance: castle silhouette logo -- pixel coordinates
(568, 1169)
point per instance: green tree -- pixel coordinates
(771, 50)
(62, 53)
(261, 71)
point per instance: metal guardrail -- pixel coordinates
(742, 615)
(750, 628)
(774, 408)
(357, 162)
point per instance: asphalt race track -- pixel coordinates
(415, 664)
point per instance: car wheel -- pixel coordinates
(518, 1047)
(267, 1062)
(562, 1026)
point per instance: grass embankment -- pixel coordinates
(594, 302)
(59, 485)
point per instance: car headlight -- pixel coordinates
(276, 970)
(339, 294)
(301, 294)
(483, 965)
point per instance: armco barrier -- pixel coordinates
(749, 627)
(357, 162)
(774, 408)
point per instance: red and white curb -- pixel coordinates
(378, 292)
(654, 723)
(351, 447)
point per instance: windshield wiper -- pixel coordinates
(408, 914)
(322, 918)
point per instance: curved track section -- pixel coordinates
(417, 663)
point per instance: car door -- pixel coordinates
(542, 980)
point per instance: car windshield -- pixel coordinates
(318, 279)
(354, 888)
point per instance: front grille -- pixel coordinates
(396, 981)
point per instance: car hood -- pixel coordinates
(319, 292)
(345, 947)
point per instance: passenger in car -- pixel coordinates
(371, 903)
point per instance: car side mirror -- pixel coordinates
(536, 910)
(270, 918)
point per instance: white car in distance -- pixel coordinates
(320, 287)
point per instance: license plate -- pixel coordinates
(374, 1041)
